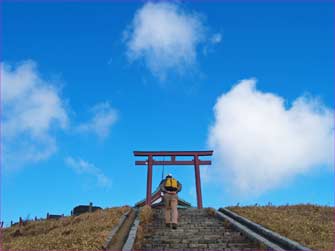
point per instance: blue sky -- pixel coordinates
(85, 84)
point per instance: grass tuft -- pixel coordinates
(145, 214)
(145, 218)
(211, 211)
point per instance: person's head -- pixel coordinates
(169, 175)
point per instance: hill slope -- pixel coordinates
(84, 232)
(310, 225)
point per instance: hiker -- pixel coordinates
(170, 187)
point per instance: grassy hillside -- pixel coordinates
(310, 225)
(84, 232)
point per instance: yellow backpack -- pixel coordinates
(171, 184)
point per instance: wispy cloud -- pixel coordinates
(103, 118)
(31, 110)
(260, 144)
(216, 38)
(192, 193)
(166, 37)
(83, 167)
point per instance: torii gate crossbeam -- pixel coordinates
(196, 162)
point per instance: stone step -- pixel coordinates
(183, 233)
(189, 228)
(197, 230)
(222, 243)
(197, 246)
(189, 212)
(196, 240)
(184, 224)
(187, 220)
(187, 223)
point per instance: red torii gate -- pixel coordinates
(173, 154)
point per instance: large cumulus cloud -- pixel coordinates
(260, 143)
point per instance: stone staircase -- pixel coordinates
(197, 230)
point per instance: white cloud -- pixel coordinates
(31, 110)
(259, 143)
(165, 36)
(82, 167)
(214, 40)
(104, 116)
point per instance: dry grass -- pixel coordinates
(145, 214)
(211, 211)
(145, 218)
(310, 225)
(84, 232)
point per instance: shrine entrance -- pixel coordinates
(150, 162)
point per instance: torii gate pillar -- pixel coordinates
(196, 162)
(197, 181)
(149, 181)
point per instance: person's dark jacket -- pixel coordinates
(162, 186)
